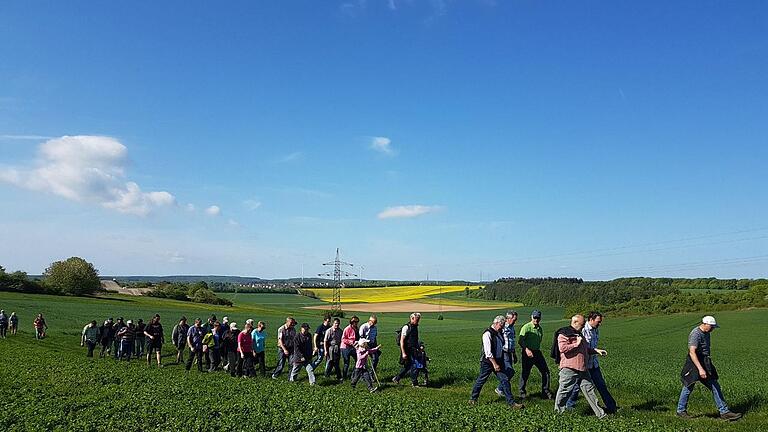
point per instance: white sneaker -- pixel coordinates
(499, 392)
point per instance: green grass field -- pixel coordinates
(51, 385)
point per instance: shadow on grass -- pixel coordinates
(653, 405)
(750, 404)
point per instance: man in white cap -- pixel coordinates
(699, 367)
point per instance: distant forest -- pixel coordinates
(630, 295)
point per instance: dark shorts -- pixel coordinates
(153, 345)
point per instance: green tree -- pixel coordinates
(74, 276)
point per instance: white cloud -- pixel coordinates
(382, 145)
(251, 204)
(89, 169)
(190, 207)
(407, 211)
(291, 157)
(233, 223)
(213, 210)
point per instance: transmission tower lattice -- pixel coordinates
(338, 273)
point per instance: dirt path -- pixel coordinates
(402, 306)
(112, 286)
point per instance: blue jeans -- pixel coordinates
(281, 359)
(347, 354)
(486, 369)
(126, 349)
(717, 395)
(508, 363)
(375, 359)
(602, 388)
(319, 358)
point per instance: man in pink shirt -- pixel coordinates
(574, 352)
(348, 338)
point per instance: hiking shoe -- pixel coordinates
(731, 416)
(396, 381)
(373, 390)
(684, 415)
(472, 402)
(499, 392)
(548, 395)
(516, 406)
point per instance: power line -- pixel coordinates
(338, 273)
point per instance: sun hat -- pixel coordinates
(709, 319)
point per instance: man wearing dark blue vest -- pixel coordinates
(492, 361)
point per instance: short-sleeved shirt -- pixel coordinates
(700, 340)
(244, 342)
(156, 330)
(369, 332)
(530, 336)
(259, 340)
(320, 334)
(91, 334)
(333, 337)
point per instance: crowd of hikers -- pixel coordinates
(222, 345)
(575, 351)
(10, 323)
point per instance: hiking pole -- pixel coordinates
(376, 377)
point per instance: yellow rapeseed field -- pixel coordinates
(387, 294)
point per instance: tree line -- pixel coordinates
(630, 295)
(78, 277)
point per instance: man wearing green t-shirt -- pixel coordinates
(530, 343)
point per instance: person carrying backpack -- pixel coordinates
(408, 341)
(574, 351)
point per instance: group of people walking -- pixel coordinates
(575, 351)
(10, 323)
(215, 345)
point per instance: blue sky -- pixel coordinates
(449, 139)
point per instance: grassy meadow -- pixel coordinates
(51, 385)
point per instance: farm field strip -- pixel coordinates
(387, 294)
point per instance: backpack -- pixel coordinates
(555, 351)
(399, 334)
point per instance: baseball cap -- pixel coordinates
(305, 325)
(129, 322)
(709, 319)
(536, 313)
